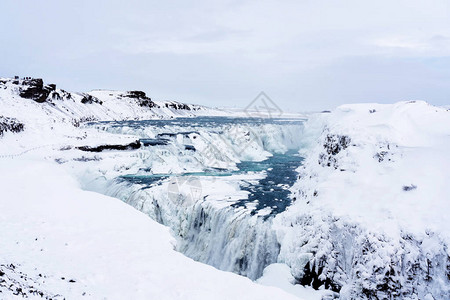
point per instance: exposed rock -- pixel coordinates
(34, 89)
(177, 105)
(137, 95)
(10, 124)
(21, 285)
(77, 122)
(89, 99)
(131, 146)
(141, 99)
(333, 145)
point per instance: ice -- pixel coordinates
(353, 221)
(65, 242)
(209, 226)
(369, 217)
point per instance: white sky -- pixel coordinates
(306, 55)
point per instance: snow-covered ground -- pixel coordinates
(369, 214)
(72, 107)
(61, 242)
(67, 243)
(372, 209)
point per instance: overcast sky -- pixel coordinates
(306, 55)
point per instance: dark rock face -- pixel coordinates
(137, 95)
(130, 146)
(312, 277)
(89, 99)
(177, 105)
(10, 124)
(34, 89)
(141, 99)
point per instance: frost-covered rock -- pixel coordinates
(10, 124)
(56, 105)
(34, 89)
(354, 227)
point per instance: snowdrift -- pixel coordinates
(59, 241)
(369, 215)
(371, 210)
(30, 100)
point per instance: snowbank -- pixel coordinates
(31, 101)
(372, 203)
(67, 243)
(58, 241)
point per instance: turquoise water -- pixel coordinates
(205, 122)
(272, 191)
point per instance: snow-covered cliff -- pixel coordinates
(368, 218)
(60, 242)
(371, 213)
(30, 99)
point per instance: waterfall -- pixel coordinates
(209, 229)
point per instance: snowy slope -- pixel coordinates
(48, 103)
(82, 245)
(373, 203)
(369, 217)
(58, 241)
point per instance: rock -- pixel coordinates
(89, 99)
(141, 98)
(35, 90)
(177, 105)
(131, 146)
(333, 145)
(137, 95)
(10, 124)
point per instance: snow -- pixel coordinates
(67, 107)
(418, 136)
(372, 202)
(49, 226)
(279, 275)
(370, 213)
(103, 248)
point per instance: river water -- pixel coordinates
(233, 191)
